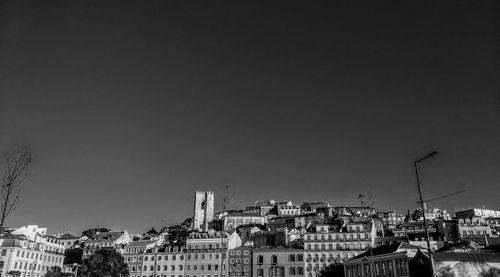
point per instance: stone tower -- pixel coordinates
(203, 210)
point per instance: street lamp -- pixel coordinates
(75, 265)
(422, 203)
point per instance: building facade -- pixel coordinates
(133, 254)
(388, 260)
(240, 261)
(234, 220)
(21, 256)
(278, 261)
(327, 244)
(206, 253)
(106, 240)
(164, 261)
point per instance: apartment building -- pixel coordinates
(278, 262)
(240, 261)
(206, 253)
(325, 244)
(30, 258)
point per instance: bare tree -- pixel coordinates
(15, 172)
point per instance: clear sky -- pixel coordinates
(131, 106)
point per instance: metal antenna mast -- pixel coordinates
(228, 196)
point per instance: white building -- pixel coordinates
(207, 255)
(105, 240)
(328, 244)
(31, 258)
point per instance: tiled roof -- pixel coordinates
(387, 249)
(466, 257)
(277, 249)
(68, 236)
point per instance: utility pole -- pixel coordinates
(422, 204)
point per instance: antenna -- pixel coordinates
(228, 196)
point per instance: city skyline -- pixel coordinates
(129, 108)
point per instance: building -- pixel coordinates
(387, 260)
(300, 222)
(246, 232)
(165, 260)
(278, 261)
(326, 244)
(260, 207)
(473, 226)
(287, 208)
(312, 207)
(270, 238)
(415, 233)
(431, 214)
(240, 261)
(390, 219)
(234, 220)
(203, 210)
(32, 232)
(19, 254)
(206, 253)
(494, 223)
(477, 212)
(133, 254)
(70, 240)
(105, 240)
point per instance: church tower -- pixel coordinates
(203, 210)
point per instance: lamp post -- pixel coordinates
(422, 204)
(75, 265)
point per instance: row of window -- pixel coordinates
(338, 246)
(280, 271)
(152, 268)
(238, 252)
(152, 258)
(202, 256)
(274, 258)
(208, 267)
(27, 266)
(36, 256)
(384, 268)
(474, 232)
(331, 257)
(238, 261)
(205, 246)
(336, 237)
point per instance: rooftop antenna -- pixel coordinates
(228, 196)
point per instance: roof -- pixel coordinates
(277, 249)
(152, 232)
(107, 236)
(140, 243)
(10, 240)
(466, 257)
(387, 249)
(68, 236)
(245, 215)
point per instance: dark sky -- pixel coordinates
(131, 106)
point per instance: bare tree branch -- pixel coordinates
(17, 163)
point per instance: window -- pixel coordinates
(260, 272)
(173, 267)
(260, 260)
(274, 259)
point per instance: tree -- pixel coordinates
(333, 270)
(55, 271)
(104, 263)
(17, 163)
